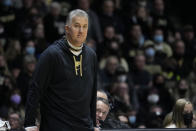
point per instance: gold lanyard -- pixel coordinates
(78, 65)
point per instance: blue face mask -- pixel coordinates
(30, 50)
(141, 41)
(16, 99)
(150, 52)
(158, 38)
(132, 119)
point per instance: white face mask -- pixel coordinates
(158, 113)
(153, 98)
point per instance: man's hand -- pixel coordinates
(96, 129)
(32, 128)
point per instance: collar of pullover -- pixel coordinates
(75, 48)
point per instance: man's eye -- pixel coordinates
(77, 26)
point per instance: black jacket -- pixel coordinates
(67, 101)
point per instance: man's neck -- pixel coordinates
(74, 49)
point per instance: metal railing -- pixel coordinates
(153, 129)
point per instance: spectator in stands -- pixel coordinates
(150, 53)
(166, 102)
(105, 120)
(24, 79)
(14, 53)
(178, 64)
(111, 46)
(7, 17)
(39, 38)
(167, 120)
(121, 102)
(189, 40)
(54, 23)
(182, 114)
(103, 49)
(142, 17)
(30, 48)
(155, 116)
(159, 43)
(102, 110)
(102, 94)
(134, 43)
(16, 104)
(123, 93)
(15, 121)
(94, 28)
(182, 90)
(108, 16)
(42, 7)
(25, 20)
(141, 78)
(113, 49)
(160, 17)
(107, 74)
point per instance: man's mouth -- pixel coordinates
(79, 36)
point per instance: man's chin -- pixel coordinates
(79, 42)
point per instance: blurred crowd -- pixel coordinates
(146, 56)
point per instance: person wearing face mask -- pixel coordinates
(181, 63)
(182, 114)
(165, 98)
(160, 45)
(150, 53)
(16, 103)
(155, 116)
(132, 117)
(182, 90)
(30, 48)
(153, 98)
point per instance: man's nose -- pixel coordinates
(100, 115)
(81, 29)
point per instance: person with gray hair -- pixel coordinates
(65, 82)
